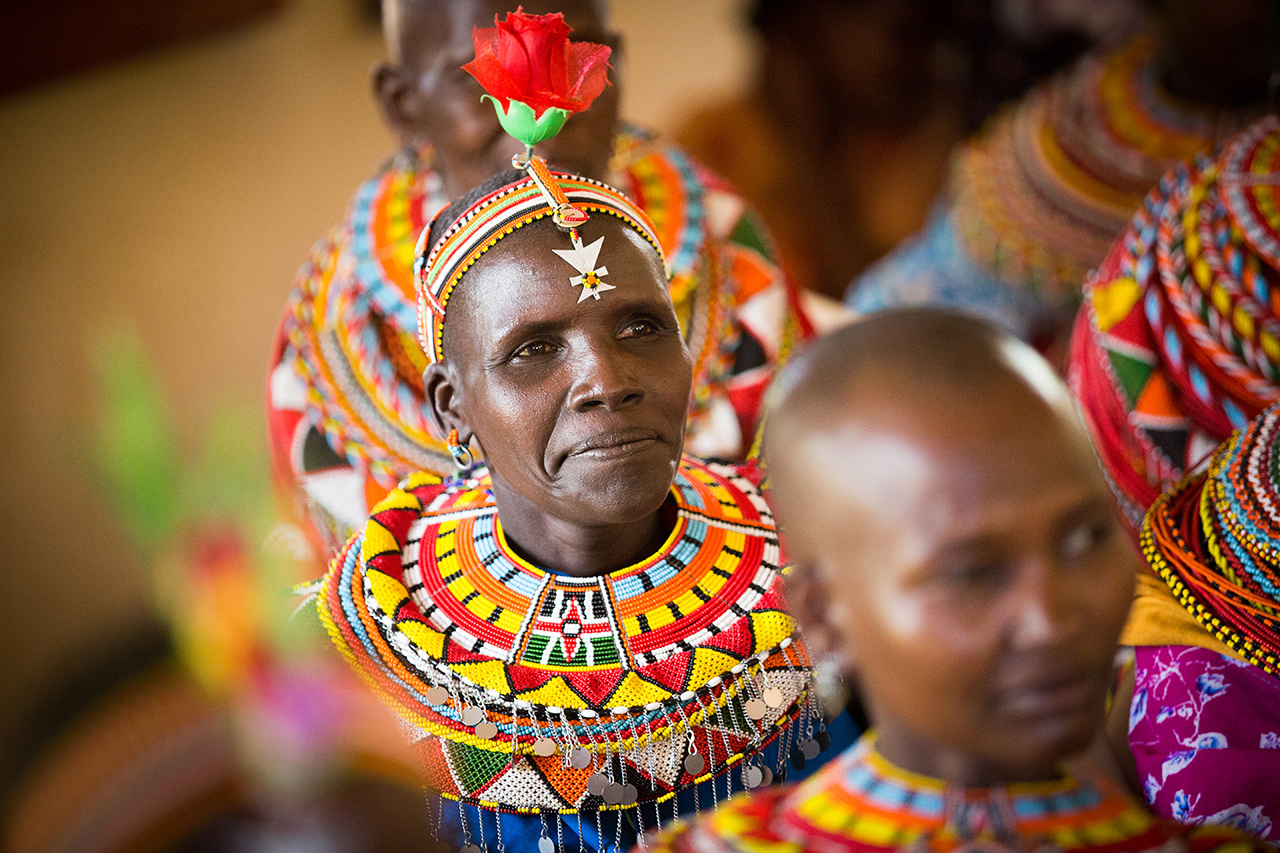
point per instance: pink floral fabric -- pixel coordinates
(1204, 729)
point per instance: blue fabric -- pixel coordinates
(933, 269)
(520, 833)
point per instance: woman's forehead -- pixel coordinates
(522, 280)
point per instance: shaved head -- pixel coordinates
(406, 22)
(954, 543)
(918, 374)
(897, 361)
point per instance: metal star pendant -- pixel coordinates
(583, 259)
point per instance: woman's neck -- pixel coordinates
(955, 767)
(574, 548)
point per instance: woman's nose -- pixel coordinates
(603, 379)
(1048, 608)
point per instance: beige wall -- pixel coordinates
(182, 190)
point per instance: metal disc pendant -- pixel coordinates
(694, 764)
(797, 757)
(810, 749)
(486, 730)
(470, 848)
(471, 716)
(437, 695)
(544, 746)
(546, 845)
(630, 794)
(753, 777)
(613, 794)
(824, 741)
(773, 697)
(579, 759)
(755, 708)
(768, 775)
(597, 784)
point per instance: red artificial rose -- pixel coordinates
(529, 58)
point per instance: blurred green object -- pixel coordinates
(133, 445)
(222, 565)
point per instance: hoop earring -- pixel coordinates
(461, 454)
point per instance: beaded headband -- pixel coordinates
(567, 199)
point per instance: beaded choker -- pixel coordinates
(862, 802)
(1182, 339)
(534, 692)
(1215, 539)
(1043, 193)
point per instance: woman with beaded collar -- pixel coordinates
(587, 629)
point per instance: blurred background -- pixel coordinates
(164, 168)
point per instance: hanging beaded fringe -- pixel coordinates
(803, 737)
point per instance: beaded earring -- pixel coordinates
(461, 453)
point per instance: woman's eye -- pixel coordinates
(533, 349)
(976, 575)
(971, 576)
(638, 328)
(1083, 538)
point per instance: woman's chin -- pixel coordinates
(617, 491)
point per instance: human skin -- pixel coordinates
(427, 99)
(956, 548)
(579, 407)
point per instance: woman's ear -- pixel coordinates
(809, 602)
(444, 401)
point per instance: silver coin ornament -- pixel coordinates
(437, 695)
(694, 764)
(486, 730)
(773, 697)
(470, 848)
(579, 759)
(546, 845)
(755, 708)
(613, 794)
(630, 794)
(544, 746)
(768, 775)
(471, 716)
(597, 784)
(824, 740)
(753, 777)
(810, 749)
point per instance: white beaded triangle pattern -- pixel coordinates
(583, 259)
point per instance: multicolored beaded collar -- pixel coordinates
(566, 199)
(1215, 540)
(535, 692)
(1180, 339)
(862, 802)
(1041, 194)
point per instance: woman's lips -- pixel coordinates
(1061, 696)
(615, 445)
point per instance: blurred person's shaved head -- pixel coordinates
(954, 543)
(431, 103)
(404, 22)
